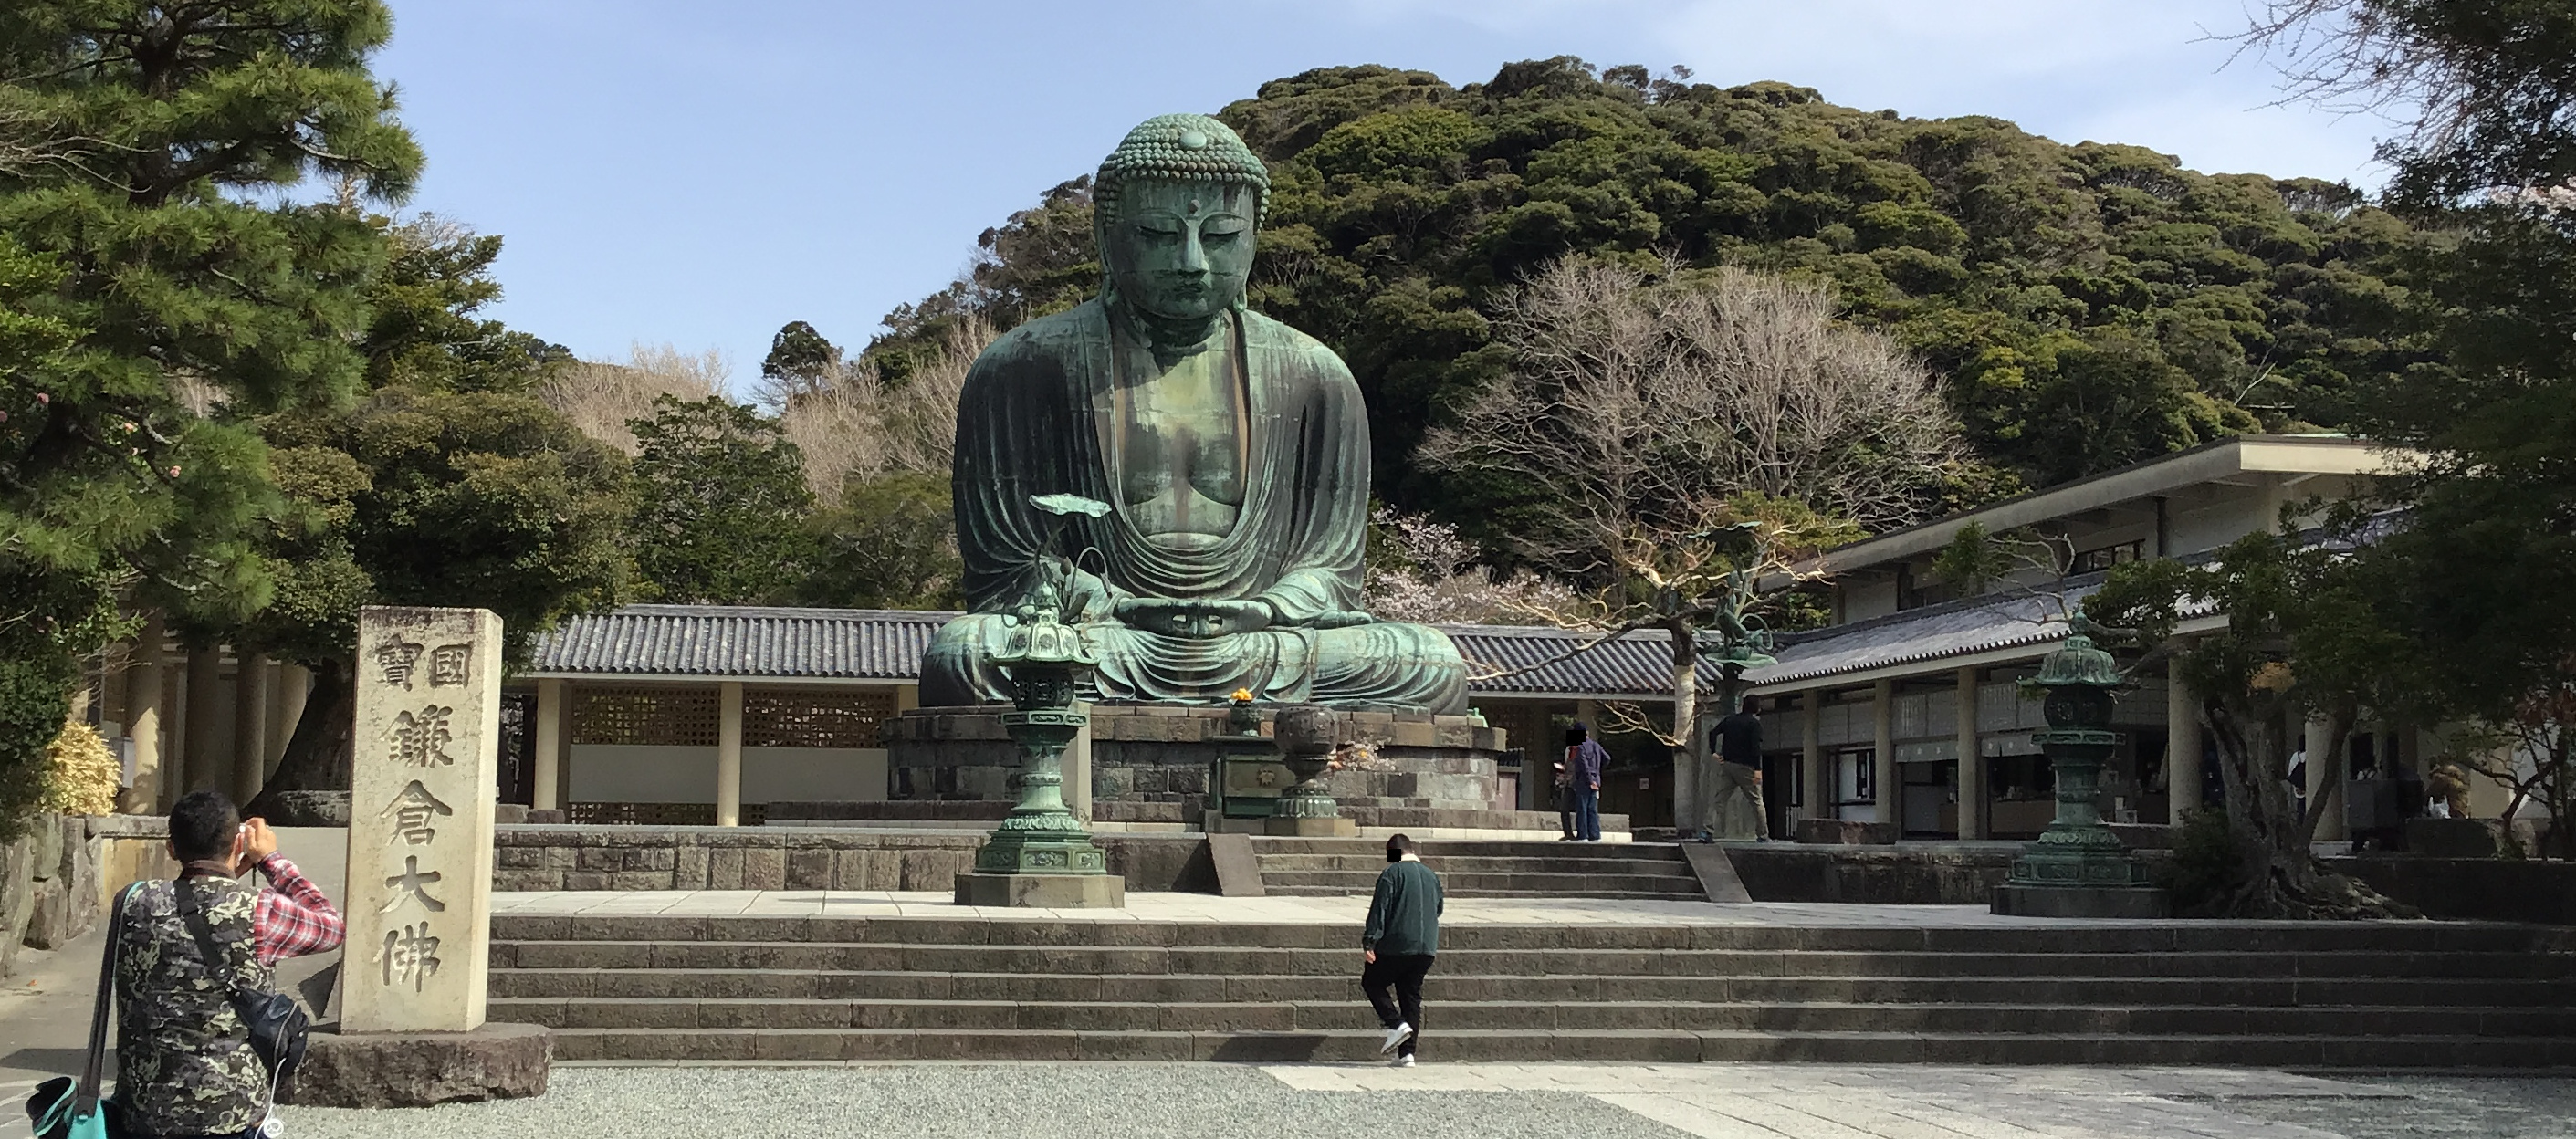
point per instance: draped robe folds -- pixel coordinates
(1030, 423)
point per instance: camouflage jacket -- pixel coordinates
(183, 1059)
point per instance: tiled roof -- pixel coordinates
(886, 644)
(745, 641)
(1953, 629)
(1635, 665)
(1958, 628)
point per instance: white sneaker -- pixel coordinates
(1394, 1036)
(1404, 1061)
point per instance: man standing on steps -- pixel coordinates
(1584, 759)
(1402, 935)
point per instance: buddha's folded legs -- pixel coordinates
(1387, 663)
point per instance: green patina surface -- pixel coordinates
(1232, 453)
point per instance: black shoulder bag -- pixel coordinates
(277, 1024)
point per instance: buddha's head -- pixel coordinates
(1175, 209)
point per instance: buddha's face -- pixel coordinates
(1181, 250)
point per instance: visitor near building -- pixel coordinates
(1564, 800)
(184, 1059)
(1584, 759)
(1402, 935)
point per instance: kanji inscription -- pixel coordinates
(420, 738)
(414, 814)
(420, 838)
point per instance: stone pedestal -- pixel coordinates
(1845, 832)
(417, 1069)
(1145, 755)
(420, 820)
(2081, 901)
(1042, 891)
(1310, 828)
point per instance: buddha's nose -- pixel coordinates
(1193, 254)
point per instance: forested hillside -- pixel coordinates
(2088, 305)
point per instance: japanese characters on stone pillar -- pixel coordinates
(420, 820)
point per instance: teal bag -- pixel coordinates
(61, 1108)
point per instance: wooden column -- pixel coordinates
(250, 728)
(143, 722)
(1972, 759)
(2182, 748)
(199, 755)
(729, 754)
(1819, 797)
(548, 790)
(1885, 793)
(2315, 741)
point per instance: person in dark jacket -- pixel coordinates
(1584, 759)
(1402, 935)
(184, 1061)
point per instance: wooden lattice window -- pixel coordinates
(814, 717)
(669, 717)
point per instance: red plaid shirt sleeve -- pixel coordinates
(292, 918)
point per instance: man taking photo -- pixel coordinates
(185, 1066)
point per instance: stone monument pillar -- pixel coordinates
(419, 905)
(420, 819)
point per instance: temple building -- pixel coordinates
(1904, 709)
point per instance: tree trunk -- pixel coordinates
(2278, 875)
(318, 755)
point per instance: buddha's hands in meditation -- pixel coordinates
(1198, 620)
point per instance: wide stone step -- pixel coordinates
(1352, 1015)
(1667, 1046)
(1452, 867)
(1461, 961)
(1279, 985)
(1491, 885)
(2438, 939)
(1431, 850)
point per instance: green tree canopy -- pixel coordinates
(448, 484)
(721, 504)
(159, 296)
(2089, 305)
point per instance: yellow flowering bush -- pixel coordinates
(81, 774)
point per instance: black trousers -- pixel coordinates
(1402, 972)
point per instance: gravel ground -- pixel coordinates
(939, 1101)
(2434, 1107)
(1155, 1101)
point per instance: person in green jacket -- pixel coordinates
(1402, 935)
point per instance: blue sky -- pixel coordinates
(698, 174)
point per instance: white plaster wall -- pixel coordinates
(1863, 600)
(645, 773)
(831, 774)
(641, 773)
(2204, 526)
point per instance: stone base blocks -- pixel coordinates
(1042, 891)
(2082, 901)
(2389, 994)
(1315, 867)
(1164, 753)
(417, 1069)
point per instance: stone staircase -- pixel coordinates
(2422, 994)
(1312, 867)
